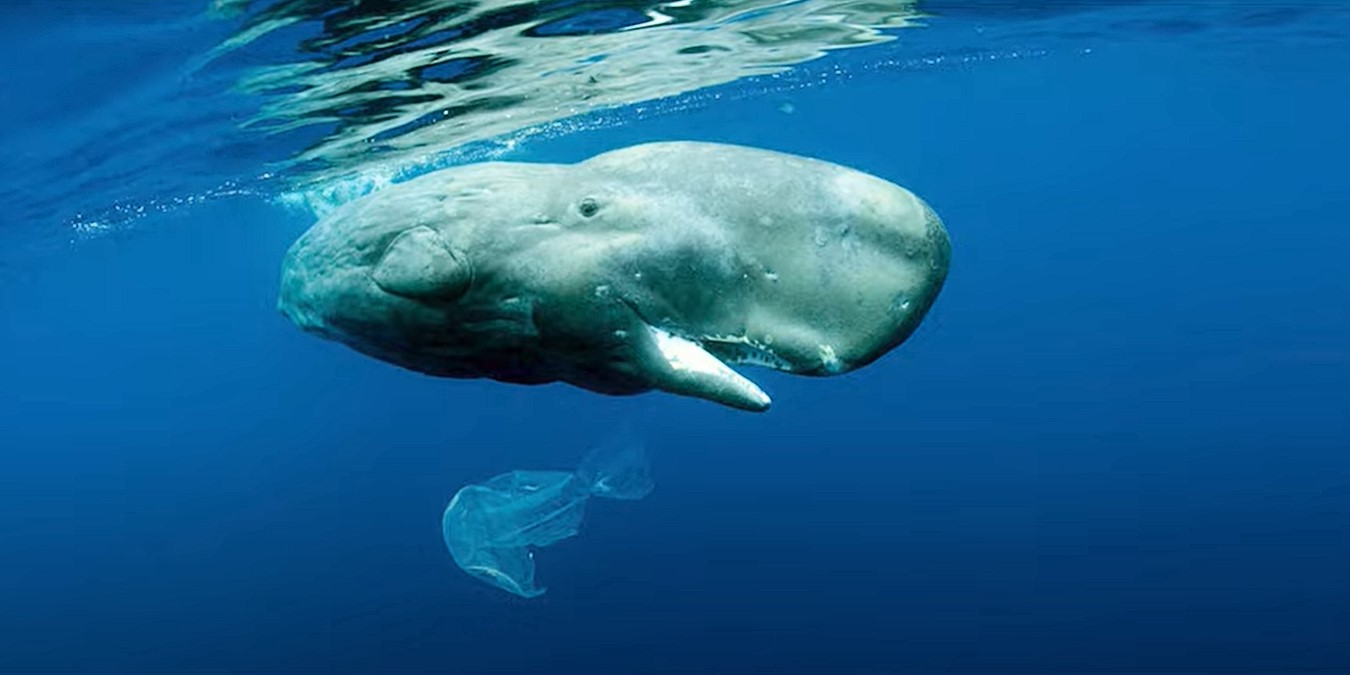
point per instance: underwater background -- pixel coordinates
(1118, 443)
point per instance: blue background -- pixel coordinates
(1118, 443)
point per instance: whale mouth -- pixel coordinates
(686, 365)
(730, 349)
(691, 369)
(742, 350)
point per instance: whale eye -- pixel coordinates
(588, 207)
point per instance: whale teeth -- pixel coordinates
(682, 366)
(741, 350)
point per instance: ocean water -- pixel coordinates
(1118, 443)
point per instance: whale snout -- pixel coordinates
(299, 298)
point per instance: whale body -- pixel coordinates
(653, 267)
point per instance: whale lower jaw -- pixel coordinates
(685, 367)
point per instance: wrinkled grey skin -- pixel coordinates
(625, 273)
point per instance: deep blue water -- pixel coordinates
(1119, 443)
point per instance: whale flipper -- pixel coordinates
(681, 365)
(418, 264)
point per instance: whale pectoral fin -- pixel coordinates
(418, 264)
(681, 366)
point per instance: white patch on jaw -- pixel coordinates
(687, 356)
(829, 359)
